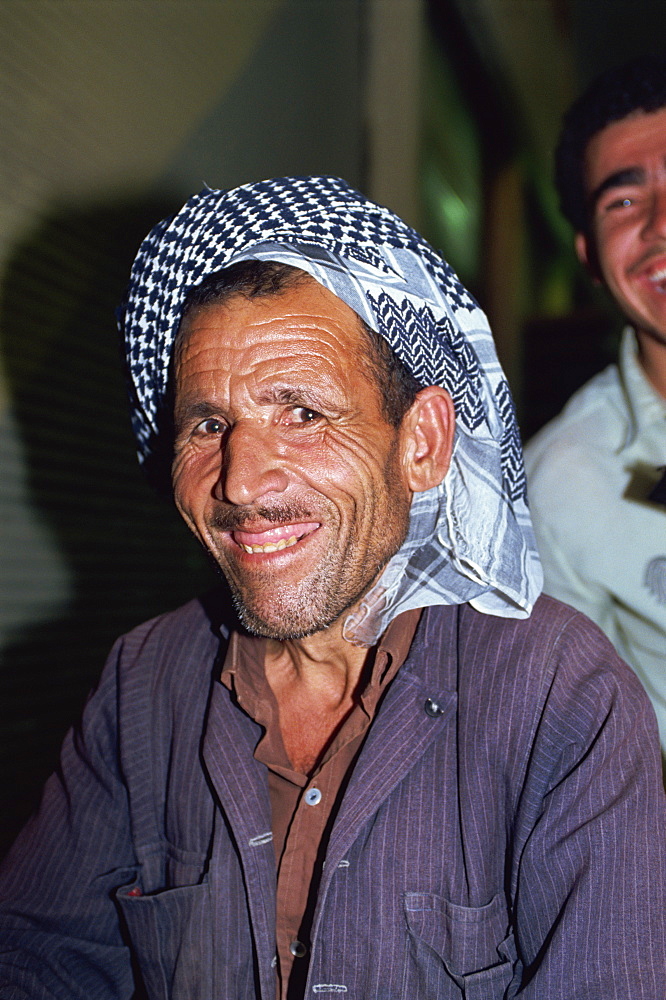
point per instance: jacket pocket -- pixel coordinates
(459, 951)
(170, 934)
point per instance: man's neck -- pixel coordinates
(652, 357)
(324, 663)
(316, 682)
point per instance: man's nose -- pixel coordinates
(655, 222)
(251, 466)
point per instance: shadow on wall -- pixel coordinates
(561, 353)
(126, 552)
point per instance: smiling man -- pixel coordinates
(598, 507)
(314, 481)
(376, 763)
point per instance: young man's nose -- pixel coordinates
(655, 219)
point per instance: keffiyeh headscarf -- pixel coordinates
(470, 538)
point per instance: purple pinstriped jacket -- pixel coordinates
(510, 843)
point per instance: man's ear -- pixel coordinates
(428, 430)
(587, 255)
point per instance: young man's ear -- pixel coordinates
(428, 430)
(587, 255)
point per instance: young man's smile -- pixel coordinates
(626, 181)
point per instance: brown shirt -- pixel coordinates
(303, 806)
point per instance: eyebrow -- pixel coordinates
(281, 395)
(296, 396)
(185, 412)
(202, 408)
(621, 178)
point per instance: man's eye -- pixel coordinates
(304, 415)
(210, 426)
(620, 203)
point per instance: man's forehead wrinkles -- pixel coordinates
(267, 336)
(194, 349)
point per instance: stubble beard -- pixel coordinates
(294, 612)
(266, 606)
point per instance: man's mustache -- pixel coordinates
(236, 518)
(656, 250)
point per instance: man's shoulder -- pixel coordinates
(519, 644)
(518, 661)
(554, 673)
(554, 638)
(550, 624)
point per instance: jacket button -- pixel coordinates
(313, 796)
(298, 949)
(433, 708)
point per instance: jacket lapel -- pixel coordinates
(421, 700)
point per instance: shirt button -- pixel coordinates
(298, 949)
(313, 796)
(433, 708)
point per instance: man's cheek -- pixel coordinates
(351, 457)
(194, 473)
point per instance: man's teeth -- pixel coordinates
(659, 275)
(270, 546)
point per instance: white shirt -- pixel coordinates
(602, 542)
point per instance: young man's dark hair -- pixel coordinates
(638, 85)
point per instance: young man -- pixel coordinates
(401, 773)
(594, 471)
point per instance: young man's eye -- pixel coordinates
(615, 209)
(621, 203)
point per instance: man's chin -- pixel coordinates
(287, 623)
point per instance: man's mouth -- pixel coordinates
(658, 278)
(274, 539)
(651, 268)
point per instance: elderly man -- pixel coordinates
(398, 773)
(599, 514)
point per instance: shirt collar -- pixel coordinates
(646, 407)
(244, 675)
(243, 668)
